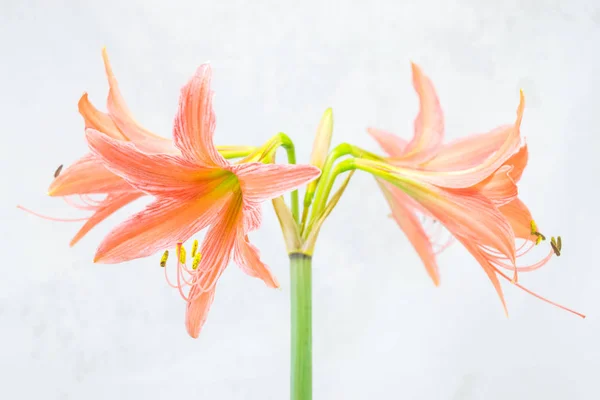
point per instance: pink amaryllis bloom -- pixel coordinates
(194, 189)
(88, 177)
(469, 186)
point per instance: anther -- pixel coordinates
(559, 243)
(555, 246)
(182, 255)
(57, 172)
(196, 261)
(194, 248)
(163, 259)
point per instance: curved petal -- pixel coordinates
(109, 205)
(390, 143)
(247, 257)
(518, 162)
(88, 175)
(98, 120)
(468, 152)
(120, 114)
(519, 218)
(260, 182)
(218, 244)
(195, 121)
(500, 187)
(163, 224)
(471, 176)
(409, 223)
(429, 124)
(197, 311)
(154, 173)
(488, 268)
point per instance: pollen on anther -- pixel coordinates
(555, 246)
(182, 255)
(194, 248)
(163, 259)
(196, 261)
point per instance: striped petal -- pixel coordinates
(88, 175)
(195, 121)
(407, 220)
(261, 182)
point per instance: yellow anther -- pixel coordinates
(538, 240)
(196, 261)
(57, 172)
(182, 255)
(163, 259)
(555, 246)
(533, 227)
(194, 248)
(559, 243)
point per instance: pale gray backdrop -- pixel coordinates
(73, 330)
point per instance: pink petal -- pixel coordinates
(519, 217)
(466, 213)
(247, 257)
(500, 187)
(393, 145)
(88, 175)
(197, 311)
(471, 176)
(154, 173)
(162, 225)
(429, 124)
(109, 205)
(120, 114)
(262, 182)
(98, 120)
(488, 268)
(216, 253)
(468, 152)
(409, 223)
(195, 121)
(518, 162)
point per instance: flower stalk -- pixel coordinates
(301, 326)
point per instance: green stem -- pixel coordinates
(301, 326)
(328, 175)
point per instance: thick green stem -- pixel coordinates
(301, 326)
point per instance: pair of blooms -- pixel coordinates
(469, 186)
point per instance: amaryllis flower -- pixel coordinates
(469, 186)
(194, 189)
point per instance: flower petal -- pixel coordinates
(393, 145)
(247, 257)
(218, 244)
(122, 117)
(519, 218)
(463, 212)
(500, 187)
(409, 223)
(154, 173)
(88, 175)
(197, 311)
(262, 182)
(98, 120)
(162, 225)
(468, 152)
(195, 121)
(109, 205)
(518, 162)
(429, 124)
(471, 176)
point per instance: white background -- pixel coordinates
(70, 329)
